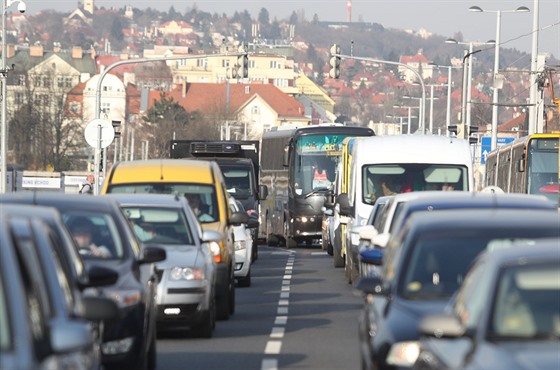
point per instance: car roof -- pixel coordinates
(456, 219)
(162, 170)
(525, 252)
(61, 200)
(167, 200)
(464, 199)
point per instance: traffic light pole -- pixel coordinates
(422, 114)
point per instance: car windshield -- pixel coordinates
(238, 181)
(159, 225)
(527, 303)
(95, 234)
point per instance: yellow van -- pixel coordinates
(197, 180)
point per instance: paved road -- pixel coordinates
(299, 313)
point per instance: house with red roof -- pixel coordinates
(418, 62)
(259, 107)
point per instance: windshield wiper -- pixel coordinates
(316, 191)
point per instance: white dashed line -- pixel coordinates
(274, 345)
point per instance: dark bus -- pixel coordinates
(298, 166)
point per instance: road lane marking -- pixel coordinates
(285, 295)
(273, 347)
(269, 364)
(281, 320)
(277, 332)
(282, 311)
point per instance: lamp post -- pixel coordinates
(420, 107)
(4, 72)
(467, 77)
(409, 116)
(496, 65)
(432, 98)
(449, 83)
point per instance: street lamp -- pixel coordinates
(4, 72)
(467, 87)
(410, 116)
(496, 65)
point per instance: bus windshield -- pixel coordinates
(315, 161)
(388, 179)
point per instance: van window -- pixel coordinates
(238, 181)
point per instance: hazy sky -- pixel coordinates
(442, 17)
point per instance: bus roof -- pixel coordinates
(327, 129)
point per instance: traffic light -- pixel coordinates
(458, 130)
(242, 67)
(335, 61)
(472, 130)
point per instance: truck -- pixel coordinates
(239, 162)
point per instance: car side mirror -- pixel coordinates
(70, 336)
(98, 276)
(238, 218)
(371, 256)
(367, 233)
(344, 204)
(211, 236)
(152, 253)
(371, 285)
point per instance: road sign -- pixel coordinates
(92, 131)
(486, 145)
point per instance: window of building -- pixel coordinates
(255, 109)
(106, 108)
(274, 64)
(252, 64)
(225, 63)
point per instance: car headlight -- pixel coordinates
(125, 298)
(186, 273)
(216, 251)
(117, 346)
(403, 354)
(240, 244)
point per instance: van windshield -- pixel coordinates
(390, 179)
(206, 207)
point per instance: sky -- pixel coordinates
(441, 17)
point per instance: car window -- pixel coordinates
(473, 296)
(61, 275)
(95, 234)
(527, 301)
(166, 225)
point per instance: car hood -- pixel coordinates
(406, 315)
(522, 355)
(180, 255)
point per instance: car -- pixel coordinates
(505, 315)
(80, 277)
(202, 182)
(135, 331)
(43, 322)
(422, 267)
(186, 293)
(243, 242)
(429, 201)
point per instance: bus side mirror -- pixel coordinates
(344, 204)
(521, 165)
(263, 192)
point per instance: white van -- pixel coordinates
(385, 165)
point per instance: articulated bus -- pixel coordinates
(298, 166)
(526, 165)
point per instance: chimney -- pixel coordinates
(36, 51)
(77, 52)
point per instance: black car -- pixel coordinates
(506, 315)
(423, 265)
(43, 322)
(435, 201)
(129, 342)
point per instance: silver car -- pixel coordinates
(187, 278)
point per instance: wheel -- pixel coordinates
(245, 281)
(205, 328)
(338, 259)
(291, 243)
(232, 295)
(223, 305)
(272, 240)
(255, 254)
(152, 353)
(330, 249)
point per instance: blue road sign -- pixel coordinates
(486, 145)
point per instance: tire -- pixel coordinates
(222, 305)
(291, 243)
(272, 241)
(205, 328)
(330, 251)
(245, 281)
(232, 295)
(338, 260)
(255, 254)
